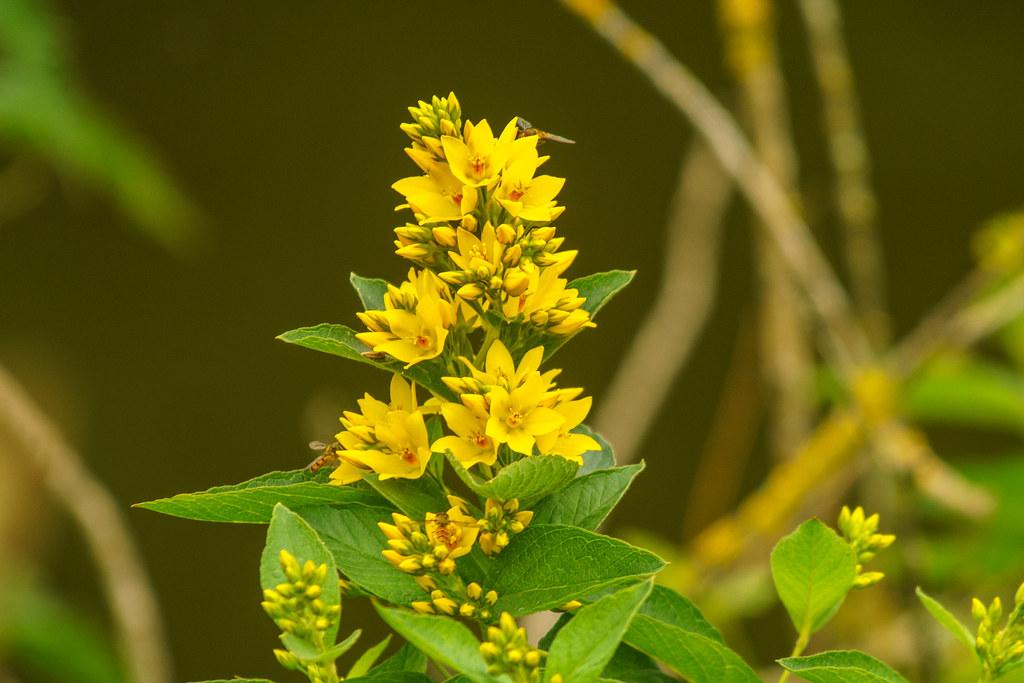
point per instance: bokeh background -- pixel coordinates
(279, 121)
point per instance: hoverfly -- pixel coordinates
(526, 129)
(328, 455)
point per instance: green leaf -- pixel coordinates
(253, 501)
(813, 569)
(596, 460)
(355, 541)
(599, 288)
(546, 566)
(408, 658)
(629, 664)
(587, 643)
(337, 650)
(444, 640)
(841, 666)
(371, 291)
(368, 659)
(237, 680)
(414, 497)
(669, 607)
(695, 657)
(946, 618)
(527, 479)
(290, 532)
(587, 500)
(339, 340)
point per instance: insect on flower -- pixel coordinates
(328, 456)
(526, 129)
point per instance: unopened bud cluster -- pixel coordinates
(413, 551)
(1000, 647)
(501, 522)
(507, 651)
(861, 533)
(431, 120)
(296, 606)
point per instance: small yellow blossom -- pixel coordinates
(438, 195)
(479, 158)
(527, 197)
(470, 445)
(563, 441)
(517, 417)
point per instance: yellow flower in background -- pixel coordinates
(479, 157)
(517, 417)
(563, 441)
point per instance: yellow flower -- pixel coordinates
(414, 325)
(517, 418)
(479, 157)
(550, 304)
(563, 441)
(387, 438)
(438, 195)
(527, 197)
(500, 370)
(470, 445)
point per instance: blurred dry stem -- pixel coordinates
(681, 307)
(847, 344)
(131, 596)
(858, 209)
(787, 354)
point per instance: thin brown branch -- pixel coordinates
(135, 611)
(847, 342)
(667, 335)
(851, 162)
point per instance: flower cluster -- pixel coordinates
(862, 534)
(484, 297)
(507, 651)
(297, 609)
(1000, 647)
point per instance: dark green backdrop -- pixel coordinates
(281, 121)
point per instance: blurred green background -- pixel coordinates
(280, 122)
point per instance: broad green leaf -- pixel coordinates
(946, 618)
(587, 643)
(587, 500)
(444, 640)
(697, 658)
(527, 479)
(841, 666)
(290, 532)
(547, 566)
(371, 291)
(596, 460)
(408, 658)
(967, 391)
(237, 680)
(669, 607)
(355, 541)
(629, 664)
(368, 659)
(339, 340)
(253, 501)
(414, 497)
(813, 569)
(599, 288)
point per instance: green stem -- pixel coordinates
(798, 649)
